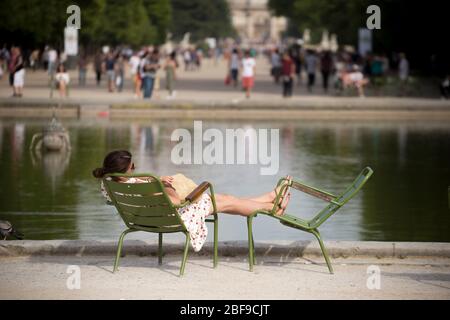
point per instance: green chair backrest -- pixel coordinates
(143, 206)
(342, 199)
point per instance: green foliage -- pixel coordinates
(35, 22)
(125, 23)
(342, 17)
(159, 13)
(201, 18)
(402, 24)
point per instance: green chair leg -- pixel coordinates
(250, 243)
(160, 248)
(216, 244)
(186, 249)
(324, 250)
(119, 248)
(253, 247)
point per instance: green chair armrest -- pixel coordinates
(197, 192)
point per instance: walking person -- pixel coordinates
(287, 74)
(155, 56)
(82, 70)
(98, 66)
(403, 72)
(326, 68)
(110, 63)
(187, 60)
(19, 74)
(119, 73)
(233, 66)
(248, 73)
(52, 60)
(5, 57)
(149, 66)
(45, 57)
(296, 56)
(170, 67)
(134, 63)
(11, 65)
(311, 66)
(275, 61)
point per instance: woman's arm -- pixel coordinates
(173, 195)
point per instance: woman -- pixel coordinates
(234, 66)
(170, 66)
(194, 214)
(19, 74)
(287, 72)
(109, 65)
(62, 80)
(119, 73)
(248, 73)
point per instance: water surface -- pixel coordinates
(54, 196)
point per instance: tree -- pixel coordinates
(125, 22)
(201, 18)
(159, 13)
(402, 25)
(31, 23)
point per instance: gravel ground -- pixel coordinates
(47, 277)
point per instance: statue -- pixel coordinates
(53, 138)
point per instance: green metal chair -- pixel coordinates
(146, 207)
(311, 226)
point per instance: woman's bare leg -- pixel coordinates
(269, 196)
(62, 89)
(266, 197)
(244, 207)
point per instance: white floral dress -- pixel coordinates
(193, 216)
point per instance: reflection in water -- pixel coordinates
(17, 141)
(53, 164)
(402, 142)
(55, 196)
(1, 136)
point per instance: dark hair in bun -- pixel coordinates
(115, 162)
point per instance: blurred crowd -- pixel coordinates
(338, 71)
(144, 67)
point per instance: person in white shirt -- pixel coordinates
(248, 73)
(355, 78)
(135, 62)
(62, 79)
(52, 57)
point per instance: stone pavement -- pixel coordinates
(46, 270)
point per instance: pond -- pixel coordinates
(54, 196)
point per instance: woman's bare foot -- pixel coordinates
(283, 205)
(278, 189)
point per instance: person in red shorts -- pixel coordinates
(248, 73)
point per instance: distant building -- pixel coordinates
(254, 22)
